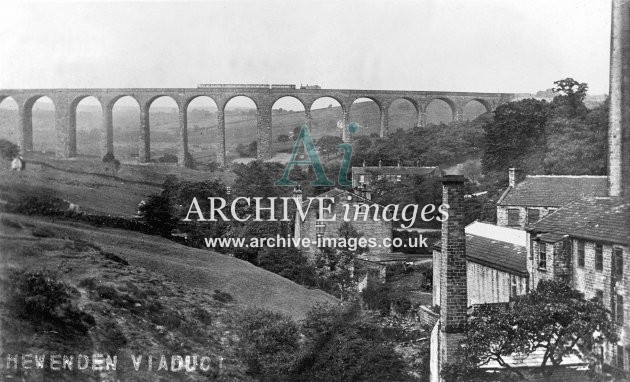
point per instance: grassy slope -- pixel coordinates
(193, 268)
(136, 311)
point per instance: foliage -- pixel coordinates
(341, 345)
(222, 296)
(40, 205)
(157, 213)
(40, 297)
(288, 263)
(327, 145)
(515, 135)
(554, 317)
(8, 149)
(283, 138)
(269, 344)
(570, 99)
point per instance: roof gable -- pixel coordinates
(599, 219)
(553, 190)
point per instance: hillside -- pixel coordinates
(146, 295)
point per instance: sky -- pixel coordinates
(446, 45)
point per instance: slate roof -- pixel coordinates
(553, 190)
(497, 254)
(599, 219)
(394, 170)
(496, 247)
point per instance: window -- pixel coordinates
(542, 255)
(533, 215)
(620, 356)
(619, 310)
(618, 261)
(361, 178)
(599, 257)
(580, 253)
(513, 216)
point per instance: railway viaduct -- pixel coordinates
(66, 101)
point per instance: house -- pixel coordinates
(496, 264)
(367, 175)
(536, 196)
(586, 243)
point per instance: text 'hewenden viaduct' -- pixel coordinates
(264, 96)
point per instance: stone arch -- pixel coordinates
(205, 133)
(449, 102)
(470, 111)
(402, 119)
(291, 119)
(89, 137)
(371, 121)
(158, 142)
(239, 126)
(9, 112)
(124, 124)
(29, 125)
(345, 106)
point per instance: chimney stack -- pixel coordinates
(512, 174)
(619, 125)
(453, 285)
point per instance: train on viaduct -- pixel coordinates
(263, 95)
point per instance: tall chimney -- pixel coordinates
(619, 125)
(453, 288)
(512, 173)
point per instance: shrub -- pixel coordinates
(8, 149)
(269, 343)
(39, 205)
(222, 296)
(108, 158)
(168, 158)
(158, 215)
(40, 298)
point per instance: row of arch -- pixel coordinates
(65, 110)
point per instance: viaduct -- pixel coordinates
(66, 101)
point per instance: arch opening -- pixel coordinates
(474, 109)
(9, 119)
(88, 120)
(440, 111)
(403, 114)
(126, 127)
(288, 115)
(164, 130)
(367, 113)
(203, 132)
(42, 110)
(241, 136)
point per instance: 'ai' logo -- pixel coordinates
(305, 139)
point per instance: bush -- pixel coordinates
(158, 215)
(108, 158)
(168, 158)
(8, 150)
(39, 297)
(40, 205)
(343, 346)
(222, 296)
(269, 344)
